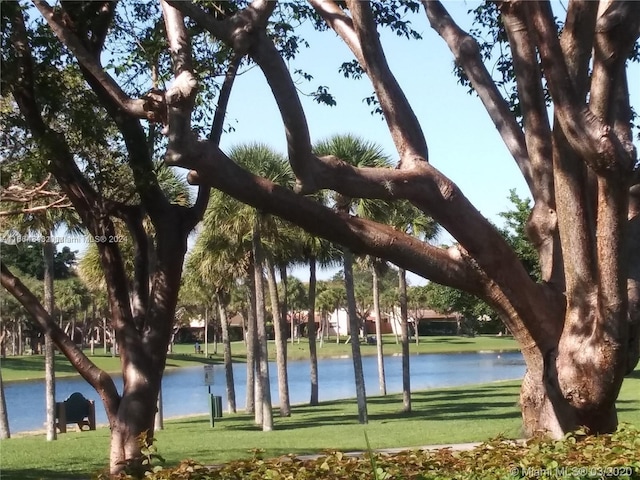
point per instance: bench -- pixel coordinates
(76, 409)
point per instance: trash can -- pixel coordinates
(215, 408)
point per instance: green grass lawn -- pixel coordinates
(32, 366)
(451, 415)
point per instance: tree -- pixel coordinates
(360, 154)
(569, 380)
(579, 327)
(408, 219)
(142, 315)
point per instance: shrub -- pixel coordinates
(576, 457)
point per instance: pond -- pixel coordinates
(184, 392)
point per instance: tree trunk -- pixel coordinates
(354, 326)
(228, 359)
(263, 401)
(159, 417)
(404, 334)
(4, 419)
(251, 343)
(379, 348)
(311, 331)
(135, 414)
(280, 340)
(206, 332)
(49, 351)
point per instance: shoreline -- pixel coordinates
(198, 363)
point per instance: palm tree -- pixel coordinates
(359, 153)
(406, 218)
(4, 420)
(213, 265)
(316, 251)
(258, 237)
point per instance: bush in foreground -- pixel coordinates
(576, 457)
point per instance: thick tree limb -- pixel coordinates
(133, 216)
(617, 29)
(89, 61)
(366, 236)
(467, 54)
(217, 125)
(285, 94)
(593, 140)
(423, 185)
(402, 122)
(96, 377)
(340, 23)
(542, 224)
(180, 98)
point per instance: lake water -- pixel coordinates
(184, 392)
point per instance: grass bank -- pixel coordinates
(448, 415)
(31, 367)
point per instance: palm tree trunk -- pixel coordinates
(263, 400)
(311, 330)
(159, 418)
(228, 359)
(251, 344)
(206, 332)
(379, 350)
(354, 326)
(404, 332)
(4, 419)
(49, 352)
(281, 342)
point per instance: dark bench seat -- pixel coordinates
(76, 409)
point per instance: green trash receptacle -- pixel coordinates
(215, 408)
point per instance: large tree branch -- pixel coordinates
(341, 23)
(588, 135)
(617, 28)
(95, 376)
(217, 125)
(425, 187)
(180, 98)
(402, 122)
(133, 217)
(466, 51)
(542, 224)
(89, 61)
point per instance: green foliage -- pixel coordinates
(516, 235)
(28, 258)
(577, 457)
